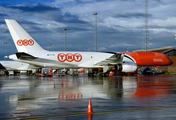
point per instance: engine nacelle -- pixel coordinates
(127, 67)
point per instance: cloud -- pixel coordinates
(120, 23)
(38, 7)
(47, 12)
(63, 17)
(129, 15)
(2, 15)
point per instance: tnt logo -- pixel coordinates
(69, 57)
(25, 42)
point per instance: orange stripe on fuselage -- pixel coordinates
(150, 58)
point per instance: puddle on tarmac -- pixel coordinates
(37, 97)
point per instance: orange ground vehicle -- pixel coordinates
(46, 71)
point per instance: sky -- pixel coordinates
(120, 24)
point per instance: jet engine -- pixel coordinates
(127, 67)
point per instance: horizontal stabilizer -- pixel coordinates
(2, 67)
(24, 56)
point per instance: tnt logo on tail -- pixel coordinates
(25, 42)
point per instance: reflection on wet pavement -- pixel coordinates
(117, 97)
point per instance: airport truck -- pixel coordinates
(46, 71)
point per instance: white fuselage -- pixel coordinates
(67, 59)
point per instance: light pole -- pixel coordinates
(95, 41)
(50, 46)
(89, 47)
(4, 50)
(65, 29)
(127, 48)
(146, 37)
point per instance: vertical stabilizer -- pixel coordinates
(23, 41)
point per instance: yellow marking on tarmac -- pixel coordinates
(57, 116)
(101, 113)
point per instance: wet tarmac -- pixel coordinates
(67, 97)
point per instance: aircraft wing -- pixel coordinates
(113, 60)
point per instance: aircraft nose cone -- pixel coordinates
(167, 60)
(170, 62)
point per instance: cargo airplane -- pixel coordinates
(29, 51)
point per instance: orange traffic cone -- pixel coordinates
(89, 110)
(19, 79)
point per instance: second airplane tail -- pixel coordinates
(23, 41)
